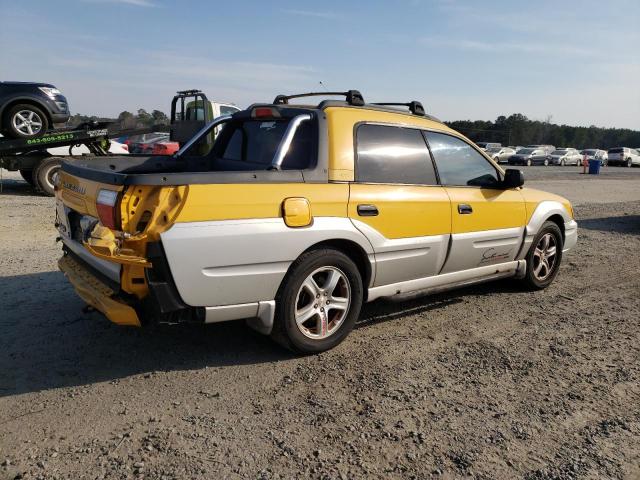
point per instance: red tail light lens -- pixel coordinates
(106, 207)
(265, 112)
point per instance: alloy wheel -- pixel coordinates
(322, 303)
(544, 257)
(27, 122)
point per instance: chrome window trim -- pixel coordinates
(285, 143)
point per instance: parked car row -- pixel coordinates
(550, 155)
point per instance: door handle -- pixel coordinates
(367, 210)
(464, 209)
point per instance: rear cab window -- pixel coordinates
(251, 144)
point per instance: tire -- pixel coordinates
(25, 121)
(44, 175)
(324, 327)
(562, 163)
(528, 162)
(27, 175)
(536, 277)
(546, 162)
(629, 163)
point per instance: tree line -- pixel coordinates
(141, 119)
(517, 129)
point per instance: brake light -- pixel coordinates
(265, 112)
(125, 147)
(106, 207)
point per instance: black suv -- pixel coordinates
(29, 109)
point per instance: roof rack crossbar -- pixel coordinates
(353, 97)
(415, 107)
(188, 92)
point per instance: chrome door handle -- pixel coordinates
(464, 209)
(367, 210)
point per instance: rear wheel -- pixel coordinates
(629, 163)
(563, 162)
(45, 175)
(25, 121)
(544, 257)
(318, 302)
(546, 162)
(528, 162)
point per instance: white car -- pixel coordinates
(623, 156)
(566, 156)
(596, 154)
(116, 148)
(500, 154)
(484, 146)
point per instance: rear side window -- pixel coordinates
(459, 164)
(387, 154)
(254, 143)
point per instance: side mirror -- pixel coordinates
(513, 178)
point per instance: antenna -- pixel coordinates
(322, 85)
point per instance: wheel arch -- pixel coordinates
(355, 252)
(25, 101)
(558, 220)
(548, 210)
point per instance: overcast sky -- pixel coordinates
(578, 61)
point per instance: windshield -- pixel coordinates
(494, 149)
(559, 152)
(526, 151)
(588, 152)
(616, 150)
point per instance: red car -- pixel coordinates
(163, 147)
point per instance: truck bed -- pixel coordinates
(167, 170)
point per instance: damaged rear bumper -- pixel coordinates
(97, 293)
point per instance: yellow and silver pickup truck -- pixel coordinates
(296, 216)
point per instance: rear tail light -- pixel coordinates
(106, 207)
(125, 147)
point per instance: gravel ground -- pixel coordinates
(486, 382)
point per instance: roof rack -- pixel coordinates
(353, 97)
(188, 92)
(415, 107)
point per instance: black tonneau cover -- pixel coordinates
(167, 170)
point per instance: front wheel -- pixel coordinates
(544, 257)
(25, 121)
(629, 163)
(562, 162)
(528, 162)
(318, 302)
(546, 162)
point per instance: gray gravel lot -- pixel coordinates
(486, 382)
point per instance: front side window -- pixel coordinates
(388, 154)
(459, 164)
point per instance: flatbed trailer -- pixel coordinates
(39, 168)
